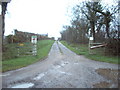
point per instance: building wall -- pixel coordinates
(27, 35)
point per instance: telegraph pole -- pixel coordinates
(3, 6)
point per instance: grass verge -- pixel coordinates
(43, 48)
(83, 50)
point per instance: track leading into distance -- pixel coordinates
(62, 69)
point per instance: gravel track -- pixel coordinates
(62, 69)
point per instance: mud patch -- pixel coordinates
(102, 85)
(109, 74)
(23, 85)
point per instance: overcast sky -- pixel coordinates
(38, 16)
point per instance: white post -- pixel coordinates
(34, 42)
(90, 42)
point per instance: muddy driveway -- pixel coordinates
(63, 69)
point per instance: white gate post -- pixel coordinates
(90, 42)
(34, 42)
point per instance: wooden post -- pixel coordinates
(2, 33)
(18, 51)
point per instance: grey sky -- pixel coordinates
(38, 16)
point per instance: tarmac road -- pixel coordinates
(62, 69)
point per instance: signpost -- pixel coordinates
(34, 42)
(24, 49)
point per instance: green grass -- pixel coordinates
(43, 48)
(82, 49)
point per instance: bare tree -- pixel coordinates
(92, 15)
(107, 17)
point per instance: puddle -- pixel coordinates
(5, 74)
(39, 76)
(58, 72)
(64, 73)
(64, 63)
(24, 85)
(58, 66)
(61, 65)
(46, 82)
(76, 63)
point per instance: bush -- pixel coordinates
(113, 47)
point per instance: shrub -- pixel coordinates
(113, 47)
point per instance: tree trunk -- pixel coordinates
(4, 6)
(93, 30)
(107, 29)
